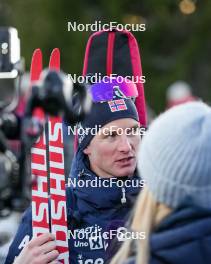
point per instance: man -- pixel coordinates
(101, 189)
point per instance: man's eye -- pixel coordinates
(133, 131)
(136, 130)
(129, 132)
(112, 135)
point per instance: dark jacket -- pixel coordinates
(92, 213)
(183, 237)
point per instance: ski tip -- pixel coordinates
(54, 62)
(37, 55)
(55, 50)
(38, 50)
(36, 65)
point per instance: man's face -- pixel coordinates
(112, 152)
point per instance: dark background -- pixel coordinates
(175, 46)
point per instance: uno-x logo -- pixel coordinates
(96, 242)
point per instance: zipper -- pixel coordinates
(110, 51)
(123, 199)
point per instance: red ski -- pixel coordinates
(57, 176)
(40, 200)
(49, 195)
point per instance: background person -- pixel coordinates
(178, 93)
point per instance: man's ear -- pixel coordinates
(86, 150)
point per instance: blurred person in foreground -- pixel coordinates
(174, 209)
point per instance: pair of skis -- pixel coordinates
(49, 213)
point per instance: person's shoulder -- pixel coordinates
(69, 192)
(70, 200)
(22, 237)
(26, 221)
(27, 215)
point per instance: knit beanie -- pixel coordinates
(101, 114)
(175, 156)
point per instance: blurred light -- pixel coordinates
(133, 19)
(187, 7)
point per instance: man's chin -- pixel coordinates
(126, 172)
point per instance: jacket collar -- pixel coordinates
(92, 199)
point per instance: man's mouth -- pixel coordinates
(125, 161)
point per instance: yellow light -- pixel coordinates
(187, 7)
(133, 19)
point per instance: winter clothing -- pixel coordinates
(91, 211)
(175, 156)
(103, 113)
(183, 237)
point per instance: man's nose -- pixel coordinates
(124, 144)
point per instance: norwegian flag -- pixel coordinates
(117, 105)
